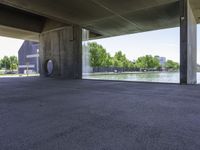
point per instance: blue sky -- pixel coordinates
(161, 42)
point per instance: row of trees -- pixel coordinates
(9, 63)
(99, 57)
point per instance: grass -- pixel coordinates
(18, 75)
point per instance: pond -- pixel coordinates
(165, 77)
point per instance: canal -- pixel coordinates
(165, 77)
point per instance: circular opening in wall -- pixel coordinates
(49, 67)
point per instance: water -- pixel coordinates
(165, 77)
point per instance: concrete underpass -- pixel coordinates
(61, 111)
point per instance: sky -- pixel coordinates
(160, 42)
(164, 43)
(9, 46)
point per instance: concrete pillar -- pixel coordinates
(64, 47)
(86, 68)
(188, 44)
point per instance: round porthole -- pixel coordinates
(49, 67)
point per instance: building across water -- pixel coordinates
(28, 56)
(162, 60)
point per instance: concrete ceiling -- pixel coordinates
(108, 17)
(195, 4)
(18, 33)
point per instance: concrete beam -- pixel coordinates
(106, 17)
(18, 34)
(64, 47)
(15, 18)
(17, 23)
(188, 44)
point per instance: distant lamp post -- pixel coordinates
(37, 63)
(27, 67)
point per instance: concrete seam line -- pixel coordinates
(57, 29)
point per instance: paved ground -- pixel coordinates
(49, 114)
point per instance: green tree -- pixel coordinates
(108, 61)
(172, 65)
(98, 56)
(131, 64)
(147, 62)
(13, 63)
(120, 60)
(0, 64)
(5, 62)
(10, 63)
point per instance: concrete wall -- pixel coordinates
(188, 44)
(64, 47)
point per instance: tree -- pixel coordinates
(108, 61)
(98, 56)
(5, 62)
(13, 62)
(0, 64)
(10, 63)
(147, 62)
(172, 65)
(120, 60)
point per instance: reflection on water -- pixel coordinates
(166, 77)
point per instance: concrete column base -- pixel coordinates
(64, 47)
